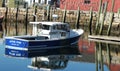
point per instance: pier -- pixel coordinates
(106, 39)
(105, 32)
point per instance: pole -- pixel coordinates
(110, 23)
(5, 31)
(26, 21)
(111, 18)
(97, 23)
(17, 18)
(103, 18)
(64, 16)
(90, 21)
(78, 18)
(48, 13)
(35, 11)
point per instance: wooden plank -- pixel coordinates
(109, 38)
(105, 39)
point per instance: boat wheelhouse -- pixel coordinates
(56, 30)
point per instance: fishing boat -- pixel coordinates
(45, 35)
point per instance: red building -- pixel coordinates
(87, 4)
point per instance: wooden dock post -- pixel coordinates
(5, 29)
(103, 18)
(17, 18)
(97, 23)
(48, 13)
(51, 18)
(111, 18)
(90, 21)
(78, 18)
(26, 21)
(64, 15)
(35, 11)
(110, 23)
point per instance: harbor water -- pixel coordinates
(65, 59)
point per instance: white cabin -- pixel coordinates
(52, 30)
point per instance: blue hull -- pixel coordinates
(42, 52)
(24, 48)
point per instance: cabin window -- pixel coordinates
(63, 34)
(45, 27)
(87, 1)
(60, 27)
(54, 27)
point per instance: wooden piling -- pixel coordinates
(110, 23)
(26, 21)
(90, 21)
(97, 23)
(51, 16)
(48, 13)
(16, 28)
(78, 18)
(111, 18)
(35, 11)
(64, 15)
(5, 29)
(103, 18)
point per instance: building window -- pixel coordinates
(87, 1)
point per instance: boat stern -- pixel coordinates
(16, 47)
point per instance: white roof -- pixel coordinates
(47, 23)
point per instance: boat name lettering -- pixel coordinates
(14, 54)
(11, 53)
(13, 42)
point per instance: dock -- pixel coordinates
(105, 39)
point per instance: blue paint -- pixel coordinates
(27, 43)
(16, 53)
(17, 43)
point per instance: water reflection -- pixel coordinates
(54, 58)
(56, 51)
(51, 62)
(59, 59)
(107, 54)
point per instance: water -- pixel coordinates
(72, 59)
(12, 64)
